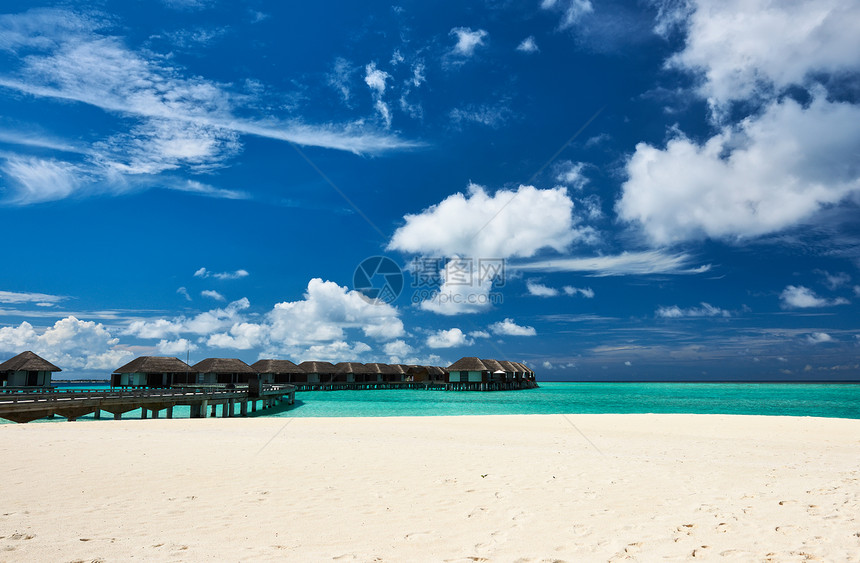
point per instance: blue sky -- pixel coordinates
(640, 190)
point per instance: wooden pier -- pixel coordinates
(26, 406)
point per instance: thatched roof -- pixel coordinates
(436, 370)
(28, 361)
(527, 368)
(382, 368)
(509, 366)
(317, 367)
(399, 369)
(493, 365)
(469, 363)
(276, 367)
(154, 364)
(522, 367)
(352, 367)
(222, 365)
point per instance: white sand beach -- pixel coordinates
(480, 488)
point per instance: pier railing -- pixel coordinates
(22, 406)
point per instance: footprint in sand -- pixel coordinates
(722, 528)
(633, 548)
(700, 551)
(477, 511)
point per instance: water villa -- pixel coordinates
(318, 372)
(279, 371)
(153, 372)
(154, 384)
(27, 370)
(222, 371)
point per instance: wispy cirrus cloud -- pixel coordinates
(169, 120)
(706, 310)
(13, 297)
(235, 275)
(641, 263)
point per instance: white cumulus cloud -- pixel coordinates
(508, 327)
(540, 290)
(448, 339)
(468, 40)
(800, 297)
(747, 48)
(375, 78)
(70, 344)
(528, 45)
(768, 173)
(819, 338)
(175, 347)
(507, 223)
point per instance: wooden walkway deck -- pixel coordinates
(25, 406)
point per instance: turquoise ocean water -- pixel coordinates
(821, 400)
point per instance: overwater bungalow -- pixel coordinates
(27, 370)
(153, 371)
(222, 371)
(497, 370)
(437, 373)
(351, 372)
(512, 373)
(393, 373)
(468, 370)
(417, 374)
(318, 372)
(377, 372)
(528, 374)
(279, 371)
